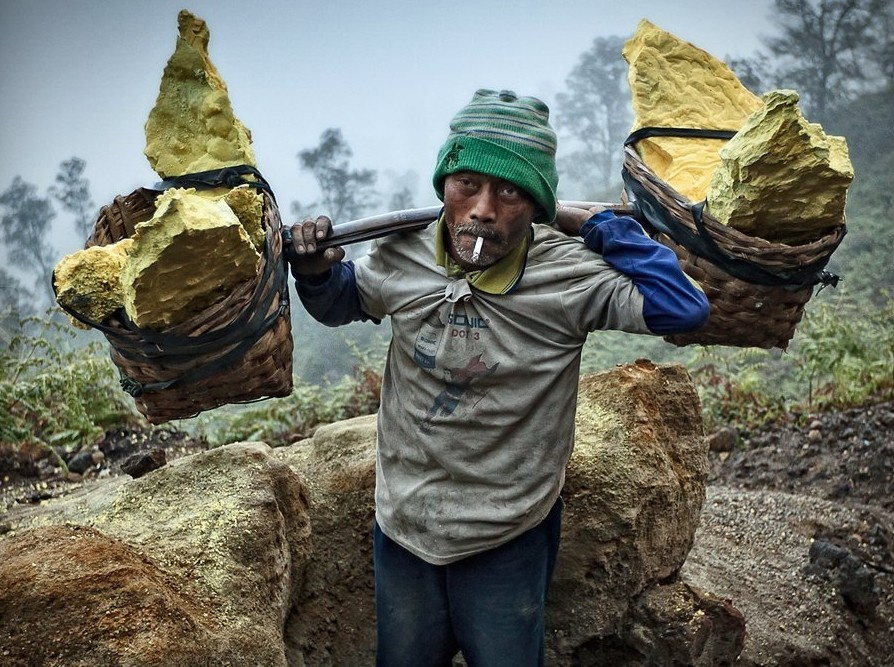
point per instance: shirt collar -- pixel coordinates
(499, 278)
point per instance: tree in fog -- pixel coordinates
(25, 223)
(881, 48)
(596, 111)
(401, 199)
(346, 193)
(72, 191)
(755, 73)
(827, 50)
(402, 186)
(15, 301)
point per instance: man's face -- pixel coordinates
(480, 205)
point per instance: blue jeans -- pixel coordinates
(489, 606)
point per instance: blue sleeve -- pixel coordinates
(332, 298)
(672, 303)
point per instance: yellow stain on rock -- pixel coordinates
(89, 281)
(192, 127)
(781, 178)
(192, 253)
(676, 84)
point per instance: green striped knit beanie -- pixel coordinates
(506, 136)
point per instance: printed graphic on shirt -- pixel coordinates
(451, 346)
(447, 401)
(428, 340)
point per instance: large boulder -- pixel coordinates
(196, 563)
(633, 494)
(333, 622)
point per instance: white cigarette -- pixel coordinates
(476, 253)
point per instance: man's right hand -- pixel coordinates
(305, 260)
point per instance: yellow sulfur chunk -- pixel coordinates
(192, 127)
(676, 84)
(781, 178)
(192, 253)
(89, 281)
(248, 205)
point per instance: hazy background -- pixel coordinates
(80, 77)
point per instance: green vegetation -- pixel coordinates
(282, 421)
(59, 396)
(56, 395)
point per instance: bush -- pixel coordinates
(55, 394)
(841, 356)
(734, 389)
(845, 355)
(281, 421)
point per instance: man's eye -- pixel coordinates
(510, 193)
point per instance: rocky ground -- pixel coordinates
(30, 475)
(844, 457)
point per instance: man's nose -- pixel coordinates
(485, 205)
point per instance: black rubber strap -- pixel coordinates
(700, 242)
(691, 132)
(228, 177)
(135, 388)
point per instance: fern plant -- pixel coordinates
(846, 352)
(54, 394)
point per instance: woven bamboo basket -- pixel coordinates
(235, 351)
(757, 289)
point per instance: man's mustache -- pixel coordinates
(483, 231)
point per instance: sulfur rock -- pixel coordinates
(248, 205)
(89, 281)
(192, 127)
(192, 253)
(676, 84)
(781, 178)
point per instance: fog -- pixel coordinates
(80, 77)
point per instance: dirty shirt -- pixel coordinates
(476, 422)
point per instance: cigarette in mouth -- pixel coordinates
(476, 253)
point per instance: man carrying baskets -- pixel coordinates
(489, 313)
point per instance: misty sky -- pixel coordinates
(79, 77)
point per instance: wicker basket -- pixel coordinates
(235, 351)
(757, 289)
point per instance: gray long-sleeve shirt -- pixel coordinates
(479, 392)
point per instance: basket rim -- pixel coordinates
(720, 231)
(751, 258)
